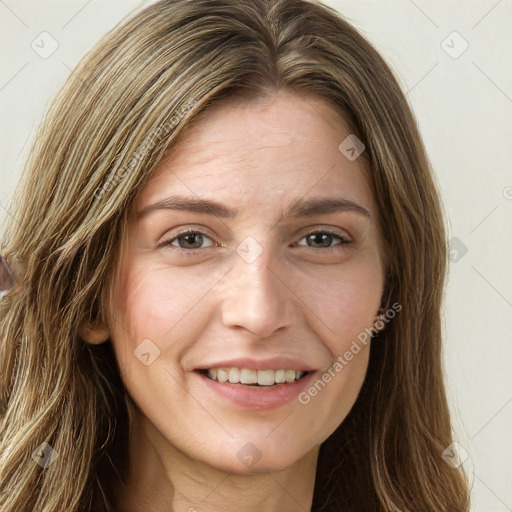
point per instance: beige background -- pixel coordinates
(462, 98)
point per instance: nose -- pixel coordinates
(257, 297)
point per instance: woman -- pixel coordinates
(230, 260)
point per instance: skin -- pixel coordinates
(297, 299)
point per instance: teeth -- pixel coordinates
(222, 375)
(266, 377)
(289, 375)
(248, 376)
(261, 377)
(234, 375)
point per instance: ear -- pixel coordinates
(94, 334)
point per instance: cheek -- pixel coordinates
(345, 299)
(152, 304)
(331, 396)
(347, 307)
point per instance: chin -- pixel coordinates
(270, 464)
(257, 457)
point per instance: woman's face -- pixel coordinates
(254, 255)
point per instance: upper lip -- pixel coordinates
(274, 363)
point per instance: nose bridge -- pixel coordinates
(255, 298)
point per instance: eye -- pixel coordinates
(323, 240)
(191, 239)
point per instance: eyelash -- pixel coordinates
(343, 240)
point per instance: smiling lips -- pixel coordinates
(257, 384)
(247, 376)
(249, 388)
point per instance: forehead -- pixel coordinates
(262, 149)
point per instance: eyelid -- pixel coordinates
(183, 232)
(345, 238)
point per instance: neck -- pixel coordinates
(161, 477)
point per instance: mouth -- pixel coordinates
(256, 384)
(265, 378)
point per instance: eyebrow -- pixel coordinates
(300, 208)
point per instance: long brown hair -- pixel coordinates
(129, 100)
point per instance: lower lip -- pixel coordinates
(258, 397)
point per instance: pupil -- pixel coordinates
(323, 239)
(189, 240)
